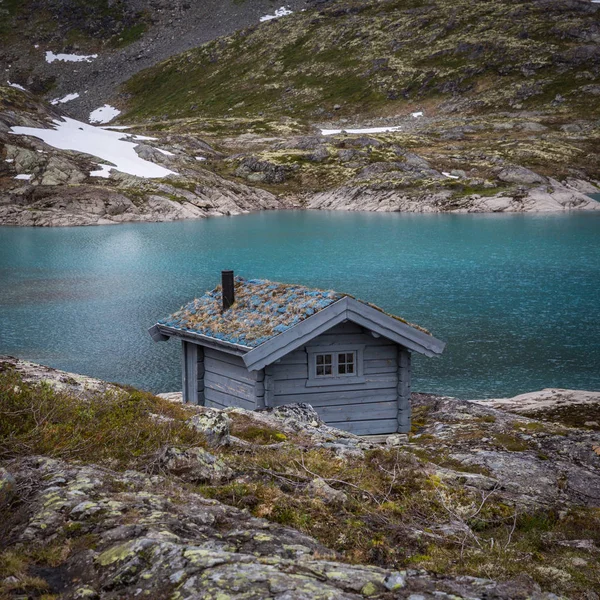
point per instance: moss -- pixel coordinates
(36, 419)
(131, 34)
(510, 442)
(389, 57)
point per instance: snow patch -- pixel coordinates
(200, 157)
(24, 176)
(144, 137)
(104, 114)
(450, 176)
(69, 134)
(361, 131)
(104, 171)
(165, 152)
(10, 160)
(51, 57)
(280, 12)
(64, 99)
(17, 86)
(416, 115)
(117, 127)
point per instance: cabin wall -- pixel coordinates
(227, 382)
(192, 373)
(371, 407)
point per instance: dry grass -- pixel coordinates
(122, 429)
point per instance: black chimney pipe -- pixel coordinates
(228, 289)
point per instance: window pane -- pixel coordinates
(341, 369)
(323, 365)
(350, 368)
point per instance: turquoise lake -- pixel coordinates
(516, 297)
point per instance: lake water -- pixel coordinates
(515, 297)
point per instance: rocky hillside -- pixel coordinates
(475, 503)
(416, 106)
(120, 37)
(381, 58)
(44, 184)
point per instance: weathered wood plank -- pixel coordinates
(380, 352)
(226, 399)
(269, 386)
(358, 412)
(284, 372)
(345, 328)
(223, 356)
(212, 404)
(380, 426)
(297, 357)
(237, 372)
(189, 372)
(404, 376)
(372, 370)
(327, 339)
(229, 386)
(339, 398)
(298, 386)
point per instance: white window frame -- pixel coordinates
(335, 378)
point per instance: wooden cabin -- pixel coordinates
(256, 344)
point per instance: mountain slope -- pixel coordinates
(126, 35)
(380, 58)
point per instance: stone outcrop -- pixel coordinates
(104, 533)
(554, 197)
(151, 537)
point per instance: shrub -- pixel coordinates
(121, 427)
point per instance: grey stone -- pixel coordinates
(517, 174)
(214, 424)
(320, 488)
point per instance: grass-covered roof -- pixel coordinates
(262, 310)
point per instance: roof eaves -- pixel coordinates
(203, 340)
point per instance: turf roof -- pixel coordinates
(262, 310)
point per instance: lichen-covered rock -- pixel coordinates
(214, 424)
(7, 487)
(320, 488)
(195, 465)
(154, 538)
(516, 174)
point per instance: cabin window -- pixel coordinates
(324, 365)
(346, 362)
(340, 364)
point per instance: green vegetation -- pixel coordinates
(396, 511)
(122, 428)
(379, 58)
(129, 35)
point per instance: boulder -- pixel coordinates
(516, 174)
(214, 424)
(8, 487)
(194, 465)
(321, 489)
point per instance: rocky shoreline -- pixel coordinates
(481, 485)
(202, 174)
